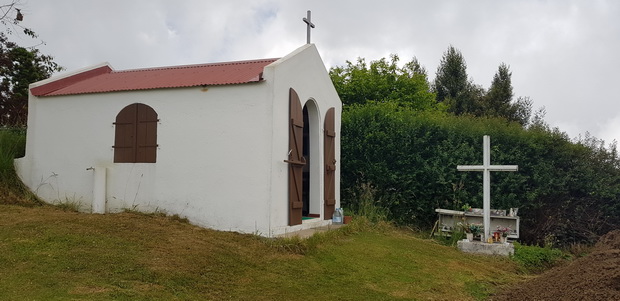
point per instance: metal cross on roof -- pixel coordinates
(309, 25)
(487, 168)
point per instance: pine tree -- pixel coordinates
(451, 76)
(497, 102)
(452, 86)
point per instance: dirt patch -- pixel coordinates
(609, 241)
(593, 277)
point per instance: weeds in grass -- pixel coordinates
(70, 205)
(134, 210)
(293, 244)
(157, 213)
(367, 205)
(178, 218)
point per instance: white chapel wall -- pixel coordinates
(214, 149)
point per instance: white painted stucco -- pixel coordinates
(220, 160)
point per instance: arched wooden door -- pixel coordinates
(296, 160)
(329, 149)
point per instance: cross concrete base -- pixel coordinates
(476, 247)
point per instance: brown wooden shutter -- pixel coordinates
(329, 148)
(146, 135)
(295, 161)
(135, 138)
(125, 135)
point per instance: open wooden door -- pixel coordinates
(329, 150)
(296, 160)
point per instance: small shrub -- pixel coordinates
(535, 259)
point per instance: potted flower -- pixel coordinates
(503, 231)
(471, 230)
(476, 229)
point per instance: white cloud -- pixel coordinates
(562, 53)
(610, 129)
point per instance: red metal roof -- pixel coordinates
(104, 79)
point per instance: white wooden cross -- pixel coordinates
(487, 168)
(309, 25)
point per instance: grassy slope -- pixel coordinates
(50, 254)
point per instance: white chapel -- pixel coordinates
(248, 146)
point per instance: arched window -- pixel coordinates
(135, 140)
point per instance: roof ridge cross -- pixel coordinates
(309, 25)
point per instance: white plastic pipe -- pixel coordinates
(99, 191)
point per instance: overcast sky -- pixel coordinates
(564, 54)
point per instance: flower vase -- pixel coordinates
(504, 239)
(470, 236)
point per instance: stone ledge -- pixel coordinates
(476, 247)
(305, 233)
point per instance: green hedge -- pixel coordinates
(565, 189)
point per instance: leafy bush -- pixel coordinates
(535, 259)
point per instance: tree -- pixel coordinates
(522, 110)
(384, 81)
(414, 67)
(451, 75)
(453, 87)
(498, 100)
(10, 23)
(19, 66)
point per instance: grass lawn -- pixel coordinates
(50, 254)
